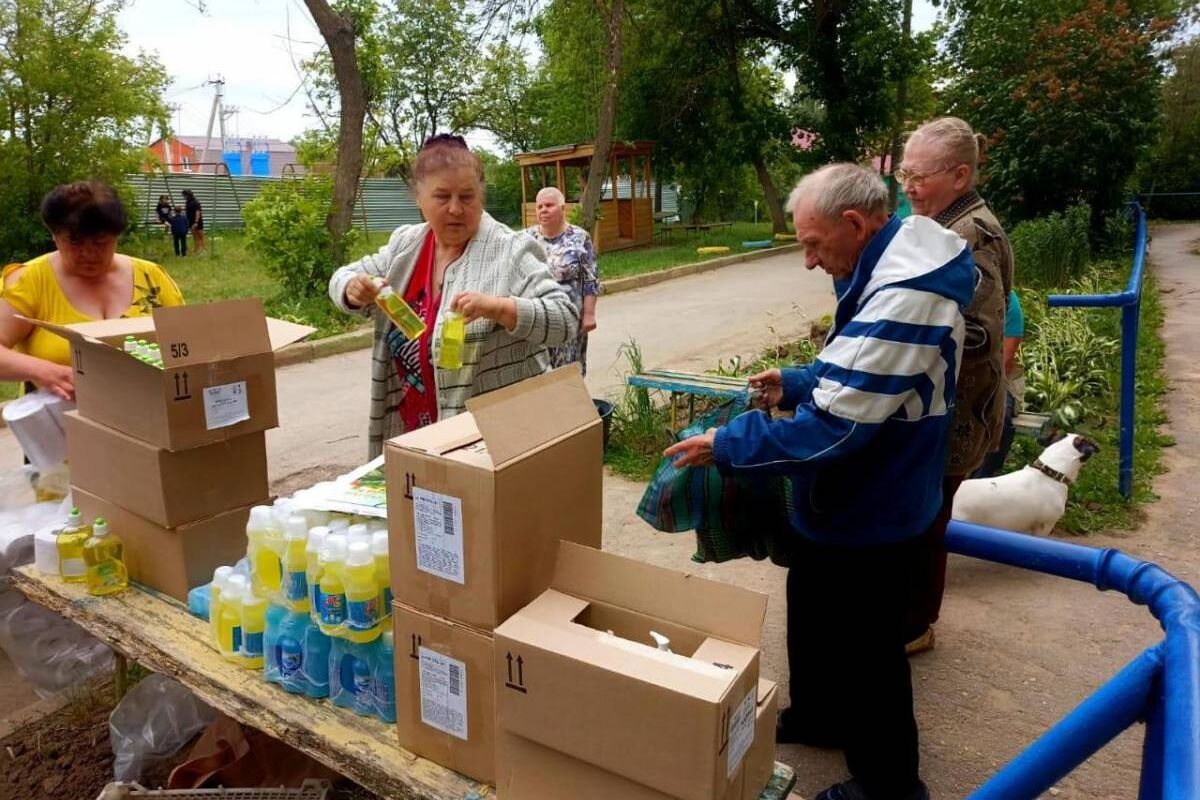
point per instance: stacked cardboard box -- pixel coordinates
(175, 457)
(582, 699)
(477, 505)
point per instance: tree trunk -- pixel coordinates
(598, 168)
(338, 33)
(770, 194)
(901, 102)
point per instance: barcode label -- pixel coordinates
(437, 522)
(443, 693)
(741, 731)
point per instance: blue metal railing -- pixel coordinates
(1161, 686)
(1130, 303)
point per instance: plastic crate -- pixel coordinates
(312, 789)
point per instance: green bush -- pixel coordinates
(1052, 250)
(285, 227)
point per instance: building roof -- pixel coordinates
(581, 153)
(197, 143)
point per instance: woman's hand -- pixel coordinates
(55, 378)
(588, 323)
(361, 291)
(696, 451)
(767, 389)
(476, 305)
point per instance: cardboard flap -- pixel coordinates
(211, 332)
(283, 333)
(71, 334)
(725, 611)
(441, 438)
(526, 415)
(114, 330)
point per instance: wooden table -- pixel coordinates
(667, 231)
(158, 632)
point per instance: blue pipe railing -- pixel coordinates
(1130, 303)
(1161, 686)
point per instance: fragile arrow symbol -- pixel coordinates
(509, 657)
(520, 671)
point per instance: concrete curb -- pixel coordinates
(618, 285)
(301, 352)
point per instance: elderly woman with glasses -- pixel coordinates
(938, 174)
(459, 260)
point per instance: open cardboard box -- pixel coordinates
(217, 380)
(576, 673)
(477, 503)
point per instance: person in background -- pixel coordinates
(1014, 380)
(572, 261)
(179, 231)
(163, 210)
(84, 279)
(938, 174)
(195, 218)
(864, 452)
(459, 260)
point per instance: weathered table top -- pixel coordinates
(158, 632)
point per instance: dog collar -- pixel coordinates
(1051, 472)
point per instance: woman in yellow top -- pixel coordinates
(84, 279)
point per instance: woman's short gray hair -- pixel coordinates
(955, 139)
(841, 187)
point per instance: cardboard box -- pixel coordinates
(576, 672)
(171, 560)
(445, 692)
(217, 381)
(170, 488)
(477, 503)
(530, 771)
(760, 759)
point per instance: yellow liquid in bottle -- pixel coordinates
(454, 337)
(105, 560)
(71, 566)
(400, 313)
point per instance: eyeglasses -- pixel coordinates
(907, 176)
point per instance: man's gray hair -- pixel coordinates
(841, 187)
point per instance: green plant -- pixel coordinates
(285, 227)
(640, 428)
(1053, 250)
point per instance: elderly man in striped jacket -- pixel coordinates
(864, 451)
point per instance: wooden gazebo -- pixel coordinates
(626, 210)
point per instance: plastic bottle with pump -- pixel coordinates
(332, 612)
(295, 564)
(254, 624)
(74, 535)
(383, 575)
(362, 594)
(385, 679)
(229, 626)
(104, 557)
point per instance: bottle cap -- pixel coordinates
(359, 554)
(338, 524)
(316, 537)
(379, 543)
(357, 531)
(235, 585)
(75, 517)
(296, 528)
(335, 547)
(260, 517)
(221, 575)
(99, 527)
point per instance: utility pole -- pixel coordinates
(901, 105)
(217, 110)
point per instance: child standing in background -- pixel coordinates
(179, 231)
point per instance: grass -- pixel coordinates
(682, 250)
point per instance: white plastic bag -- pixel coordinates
(157, 718)
(50, 652)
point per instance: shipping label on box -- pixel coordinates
(477, 503)
(217, 380)
(679, 722)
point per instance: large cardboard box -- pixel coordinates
(171, 560)
(217, 381)
(530, 771)
(576, 672)
(477, 503)
(445, 692)
(168, 487)
(760, 759)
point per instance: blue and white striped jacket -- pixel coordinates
(866, 448)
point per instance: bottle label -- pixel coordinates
(387, 599)
(237, 638)
(333, 609)
(295, 585)
(363, 614)
(72, 567)
(291, 656)
(253, 644)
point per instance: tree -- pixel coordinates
(1066, 92)
(72, 106)
(339, 31)
(507, 102)
(1174, 164)
(613, 14)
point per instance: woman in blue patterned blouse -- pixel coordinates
(572, 261)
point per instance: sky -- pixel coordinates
(256, 46)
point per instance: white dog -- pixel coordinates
(1030, 500)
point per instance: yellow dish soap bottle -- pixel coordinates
(400, 312)
(362, 594)
(104, 557)
(454, 337)
(71, 566)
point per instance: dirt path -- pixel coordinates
(1016, 650)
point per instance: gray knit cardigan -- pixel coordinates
(498, 261)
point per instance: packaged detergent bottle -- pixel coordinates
(385, 679)
(362, 594)
(332, 613)
(295, 564)
(254, 625)
(104, 557)
(229, 626)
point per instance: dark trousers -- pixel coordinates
(847, 625)
(926, 604)
(180, 244)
